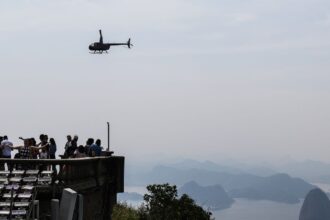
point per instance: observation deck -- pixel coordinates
(97, 179)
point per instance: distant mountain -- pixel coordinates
(213, 197)
(316, 206)
(279, 188)
(313, 171)
(132, 196)
(138, 176)
(161, 174)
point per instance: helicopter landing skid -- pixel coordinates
(98, 52)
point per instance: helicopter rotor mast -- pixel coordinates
(101, 37)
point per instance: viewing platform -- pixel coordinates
(96, 179)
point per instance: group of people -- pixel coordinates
(73, 150)
(46, 148)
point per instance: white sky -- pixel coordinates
(245, 79)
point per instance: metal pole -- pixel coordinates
(108, 136)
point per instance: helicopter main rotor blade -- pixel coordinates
(101, 37)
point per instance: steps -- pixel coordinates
(18, 192)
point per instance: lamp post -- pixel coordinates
(108, 136)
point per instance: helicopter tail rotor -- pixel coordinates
(129, 43)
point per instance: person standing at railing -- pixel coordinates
(44, 142)
(42, 139)
(96, 149)
(52, 148)
(24, 152)
(34, 151)
(52, 151)
(69, 153)
(68, 143)
(6, 148)
(88, 146)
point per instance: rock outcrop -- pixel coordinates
(316, 206)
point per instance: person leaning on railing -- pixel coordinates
(25, 151)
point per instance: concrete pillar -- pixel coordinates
(68, 203)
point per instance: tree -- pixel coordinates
(161, 203)
(189, 210)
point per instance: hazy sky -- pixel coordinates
(236, 78)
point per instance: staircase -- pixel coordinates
(18, 193)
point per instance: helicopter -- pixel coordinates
(100, 47)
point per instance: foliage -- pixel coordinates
(189, 210)
(122, 211)
(161, 203)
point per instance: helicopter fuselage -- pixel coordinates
(99, 46)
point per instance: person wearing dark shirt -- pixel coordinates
(71, 149)
(96, 149)
(68, 143)
(52, 148)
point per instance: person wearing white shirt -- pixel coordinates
(6, 147)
